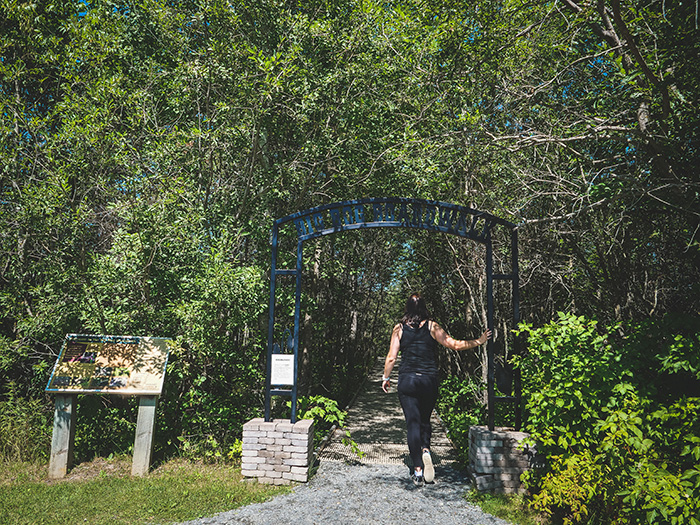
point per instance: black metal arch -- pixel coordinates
(388, 212)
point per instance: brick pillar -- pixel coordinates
(277, 452)
(497, 458)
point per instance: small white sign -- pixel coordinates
(282, 369)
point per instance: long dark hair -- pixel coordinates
(415, 311)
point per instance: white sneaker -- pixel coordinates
(428, 469)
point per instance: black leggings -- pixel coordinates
(417, 394)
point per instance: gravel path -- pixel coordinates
(374, 489)
(372, 494)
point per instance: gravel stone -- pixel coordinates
(341, 493)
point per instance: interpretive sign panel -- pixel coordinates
(282, 372)
(110, 365)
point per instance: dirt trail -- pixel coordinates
(377, 425)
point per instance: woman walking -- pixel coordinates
(416, 337)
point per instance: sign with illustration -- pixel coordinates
(110, 365)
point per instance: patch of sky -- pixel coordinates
(86, 7)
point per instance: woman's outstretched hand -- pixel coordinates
(484, 337)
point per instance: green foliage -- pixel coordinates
(25, 428)
(104, 425)
(215, 377)
(235, 451)
(321, 409)
(570, 370)
(665, 483)
(327, 416)
(207, 449)
(621, 439)
(513, 509)
(460, 405)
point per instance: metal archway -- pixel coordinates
(281, 379)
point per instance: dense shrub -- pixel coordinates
(460, 406)
(25, 428)
(328, 417)
(615, 410)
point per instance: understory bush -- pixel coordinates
(327, 416)
(460, 406)
(615, 411)
(25, 428)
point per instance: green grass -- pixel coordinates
(104, 492)
(510, 508)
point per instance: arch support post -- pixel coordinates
(297, 327)
(271, 319)
(517, 342)
(282, 368)
(490, 359)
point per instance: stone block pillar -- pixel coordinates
(497, 458)
(277, 452)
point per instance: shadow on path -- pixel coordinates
(377, 425)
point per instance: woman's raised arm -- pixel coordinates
(450, 342)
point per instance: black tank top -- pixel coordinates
(417, 349)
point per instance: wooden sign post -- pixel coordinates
(63, 436)
(145, 430)
(93, 364)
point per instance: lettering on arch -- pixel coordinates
(393, 213)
